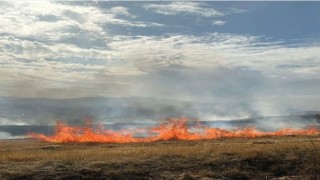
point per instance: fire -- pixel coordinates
(175, 129)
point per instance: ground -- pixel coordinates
(291, 157)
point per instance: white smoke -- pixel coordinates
(5, 135)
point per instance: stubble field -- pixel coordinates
(291, 157)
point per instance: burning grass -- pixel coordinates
(174, 129)
(226, 158)
(86, 153)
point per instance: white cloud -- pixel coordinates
(59, 45)
(119, 10)
(236, 10)
(53, 20)
(218, 23)
(218, 49)
(136, 55)
(175, 8)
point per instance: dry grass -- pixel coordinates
(263, 158)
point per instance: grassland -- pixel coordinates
(262, 158)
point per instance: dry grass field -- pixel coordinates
(292, 157)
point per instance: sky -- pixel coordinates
(264, 53)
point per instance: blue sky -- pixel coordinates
(266, 53)
(281, 20)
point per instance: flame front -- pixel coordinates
(175, 129)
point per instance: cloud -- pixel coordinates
(119, 10)
(218, 49)
(54, 21)
(218, 23)
(191, 8)
(236, 10)
(50, 68)
(61, 51)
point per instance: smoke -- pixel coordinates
(8, 135)
(206, 93)
(5, 135)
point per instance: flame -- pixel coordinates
(175, 129)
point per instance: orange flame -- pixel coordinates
(176, 129)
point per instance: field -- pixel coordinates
(291, 157)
